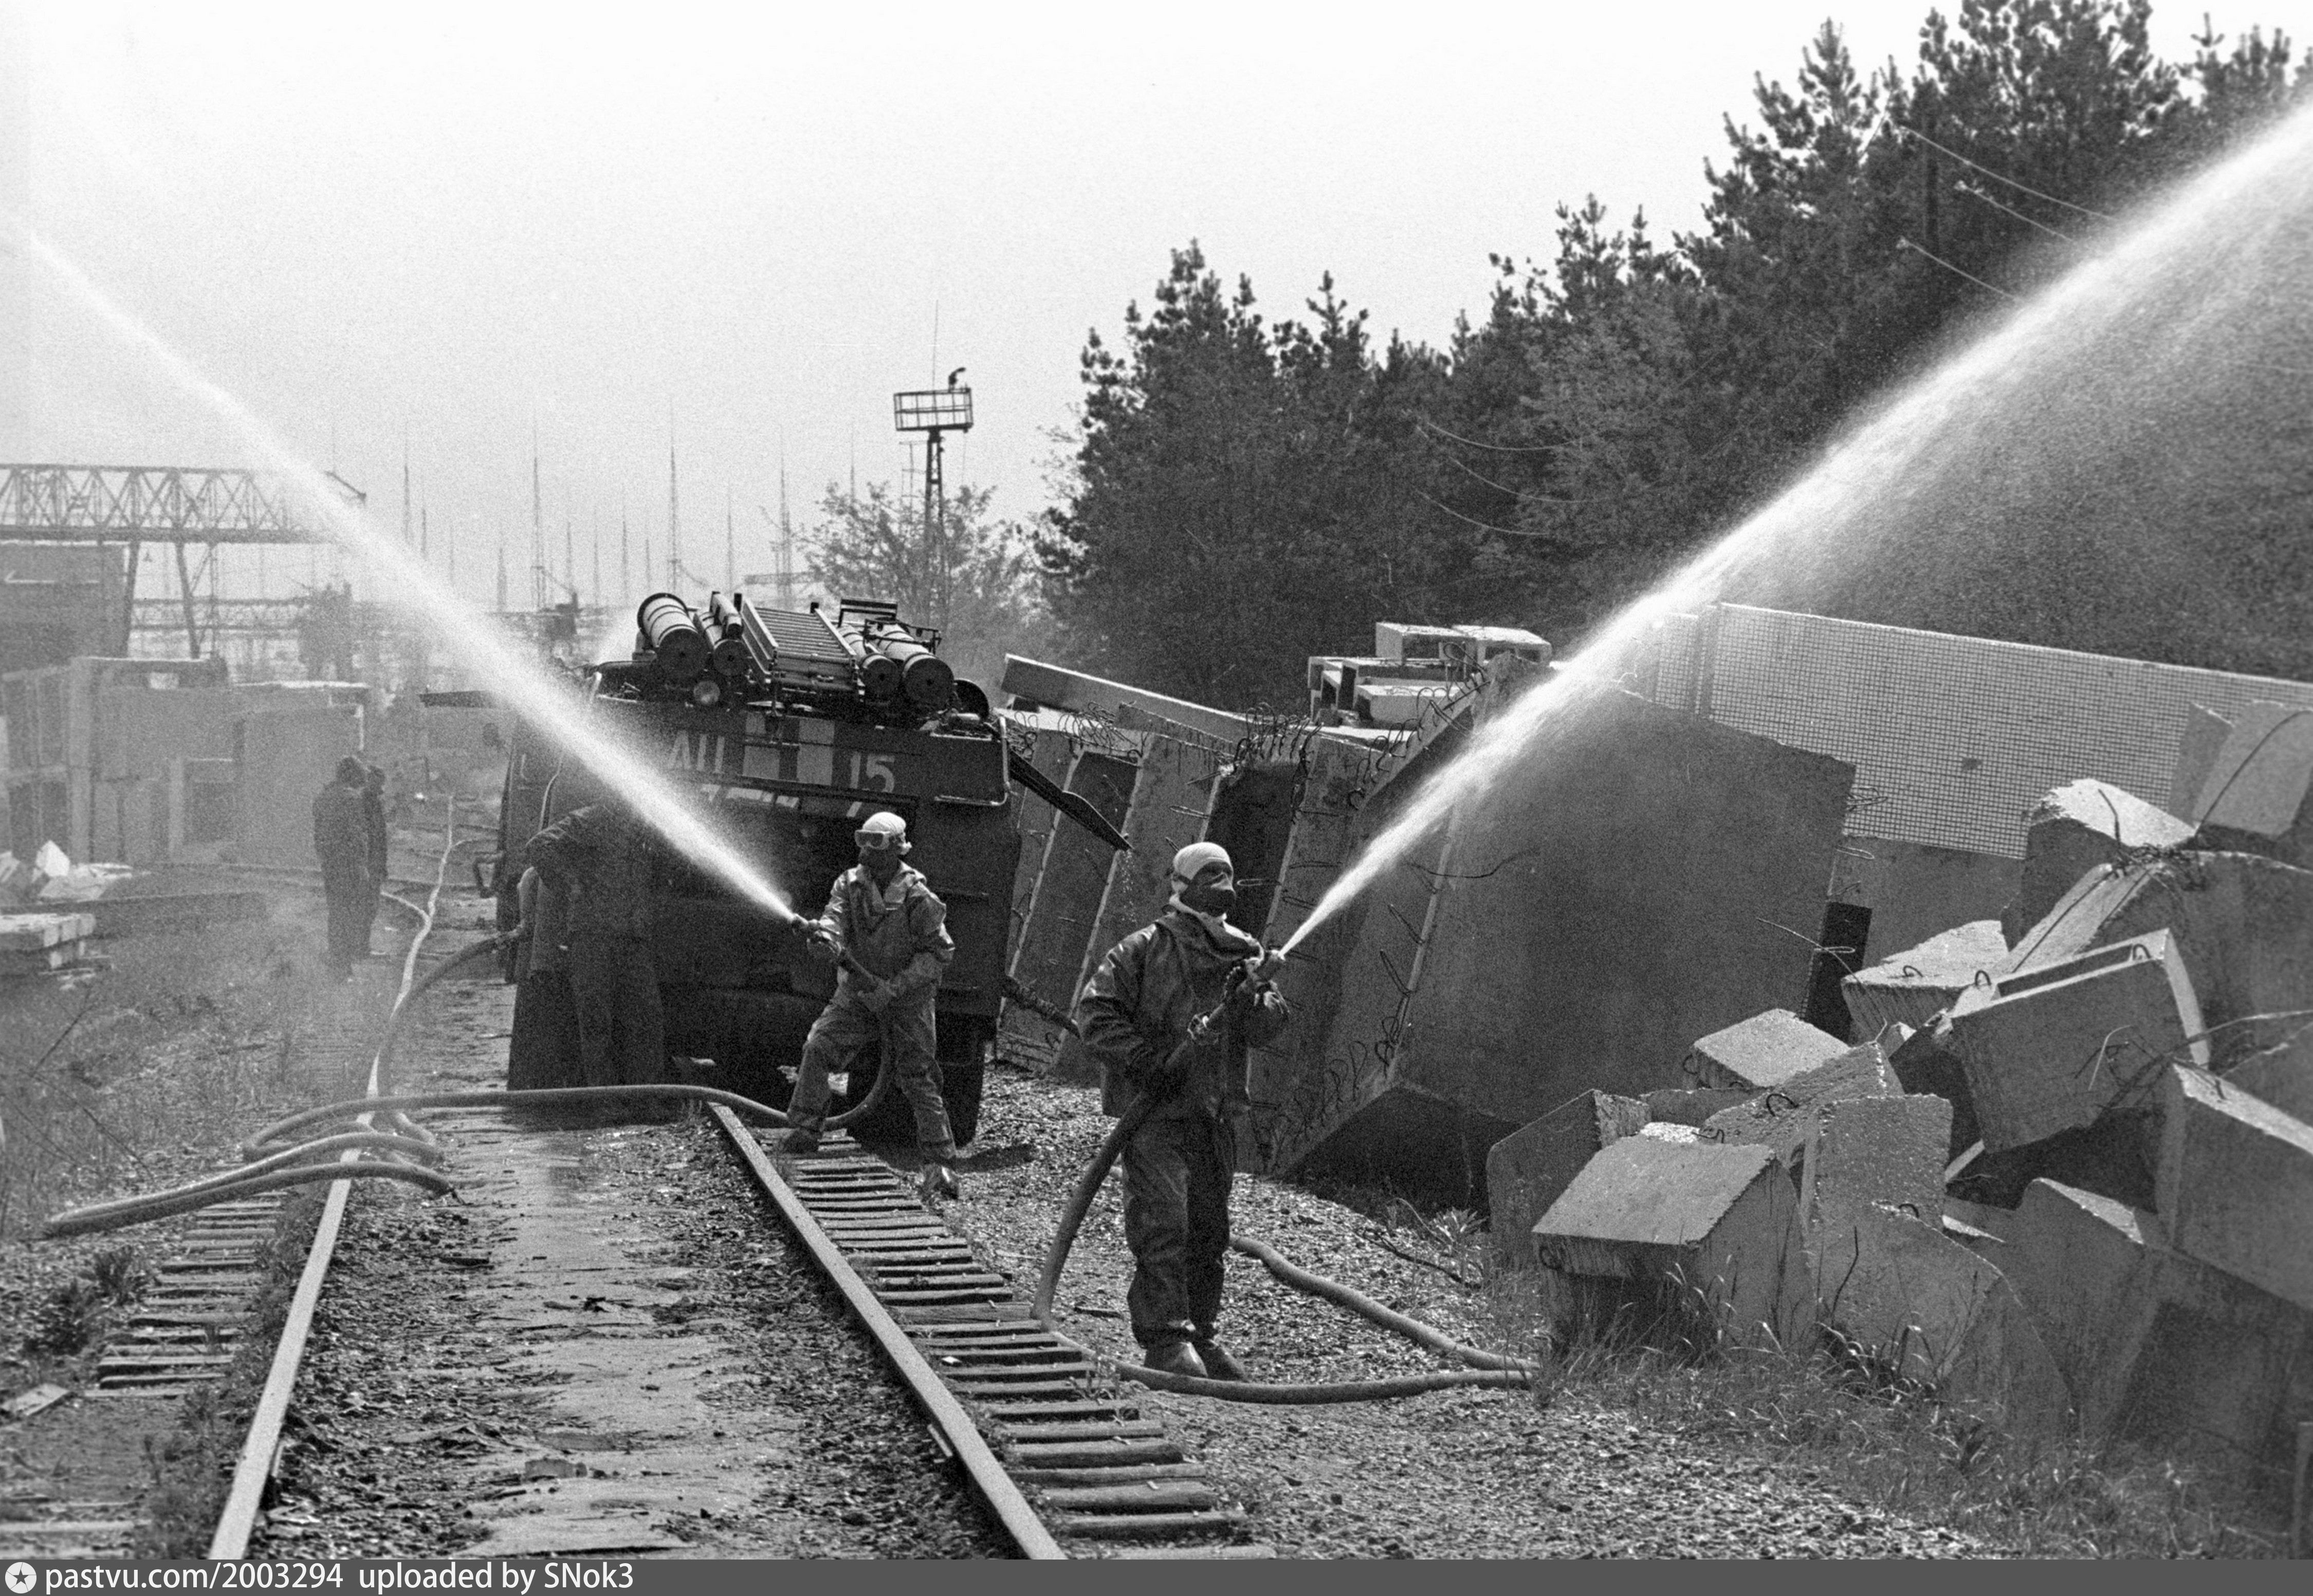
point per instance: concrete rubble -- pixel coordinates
(2056, 1163)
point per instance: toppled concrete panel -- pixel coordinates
(1427, 1148)
(1761, 1053)
(1714, 1228)
(1170, 797)
(2117, 1157)
(1927, 1065)
(1782, 1120)
(1527, 1170)
(2072, 830)
(2254, 796)
(2235, 1186)
(2050, 1048)
(1934, 1308)
(1914, 987)
(1050, 953)
(1621, 894)
(1863, 1151)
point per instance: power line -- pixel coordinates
(2003, 178)
(1904, 244)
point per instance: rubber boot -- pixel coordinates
(938, 1181)
(1219, 1362)
(1175, 1357)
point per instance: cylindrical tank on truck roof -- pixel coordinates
(673, 634)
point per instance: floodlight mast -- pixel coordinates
(933, 411)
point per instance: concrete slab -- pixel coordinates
(1171, 797)
(2254, 798)
(2235, 1186)
(1529, 1170)
(1050, 751)
(1060, 924)
(2282, 1075)
(1888, 1151)
(1707, 1233)
(1761, 1053)
(1781, 1120)
(2083, 1265)
(1928, 1065)
(2049, 1049)
(1914, 987)
(1917, 891)
(36, 932)
(1929, 1306)
(2072, 830)
(1621, 894)
(2197, 745)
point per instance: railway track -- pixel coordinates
(1066, 1460)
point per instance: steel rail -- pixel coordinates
(957, 1431)
(254, 1468)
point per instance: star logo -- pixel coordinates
(22, 1577)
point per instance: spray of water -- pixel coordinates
(548, 704)
(2179, 267)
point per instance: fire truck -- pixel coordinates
(788, 728)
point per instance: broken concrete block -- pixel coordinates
(2049, 1049)
(1914, 987)
(2235, 1186)
(1763, 1052)
(1781, 1120)
(1527, 1169)
(2072, 830)
(1925, 1304)
(1928, 1065)
(1683, 1135)
(1864, 1150)
(2081, 1264)
(1709, 1231)
(2254, 798)
(1695, 1107)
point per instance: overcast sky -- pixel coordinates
(454, 222)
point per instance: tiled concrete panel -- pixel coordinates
(1954, 738)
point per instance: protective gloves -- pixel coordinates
(877, 998)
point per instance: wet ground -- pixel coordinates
(542, 1365)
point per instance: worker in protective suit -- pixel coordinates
(606, 863)
(1146, 1016)
(886, 917)
(341, 843)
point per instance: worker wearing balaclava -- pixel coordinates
(1144, 1016)
(893, 928)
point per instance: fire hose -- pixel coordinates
(1487, 1368)
(272, 1167)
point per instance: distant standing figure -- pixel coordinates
(888, 918)
(605, 860)
(341, 842)
(544, 1049)
(374, 821)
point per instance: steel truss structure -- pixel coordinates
(149, 505)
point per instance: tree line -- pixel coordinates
(1243, 493)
